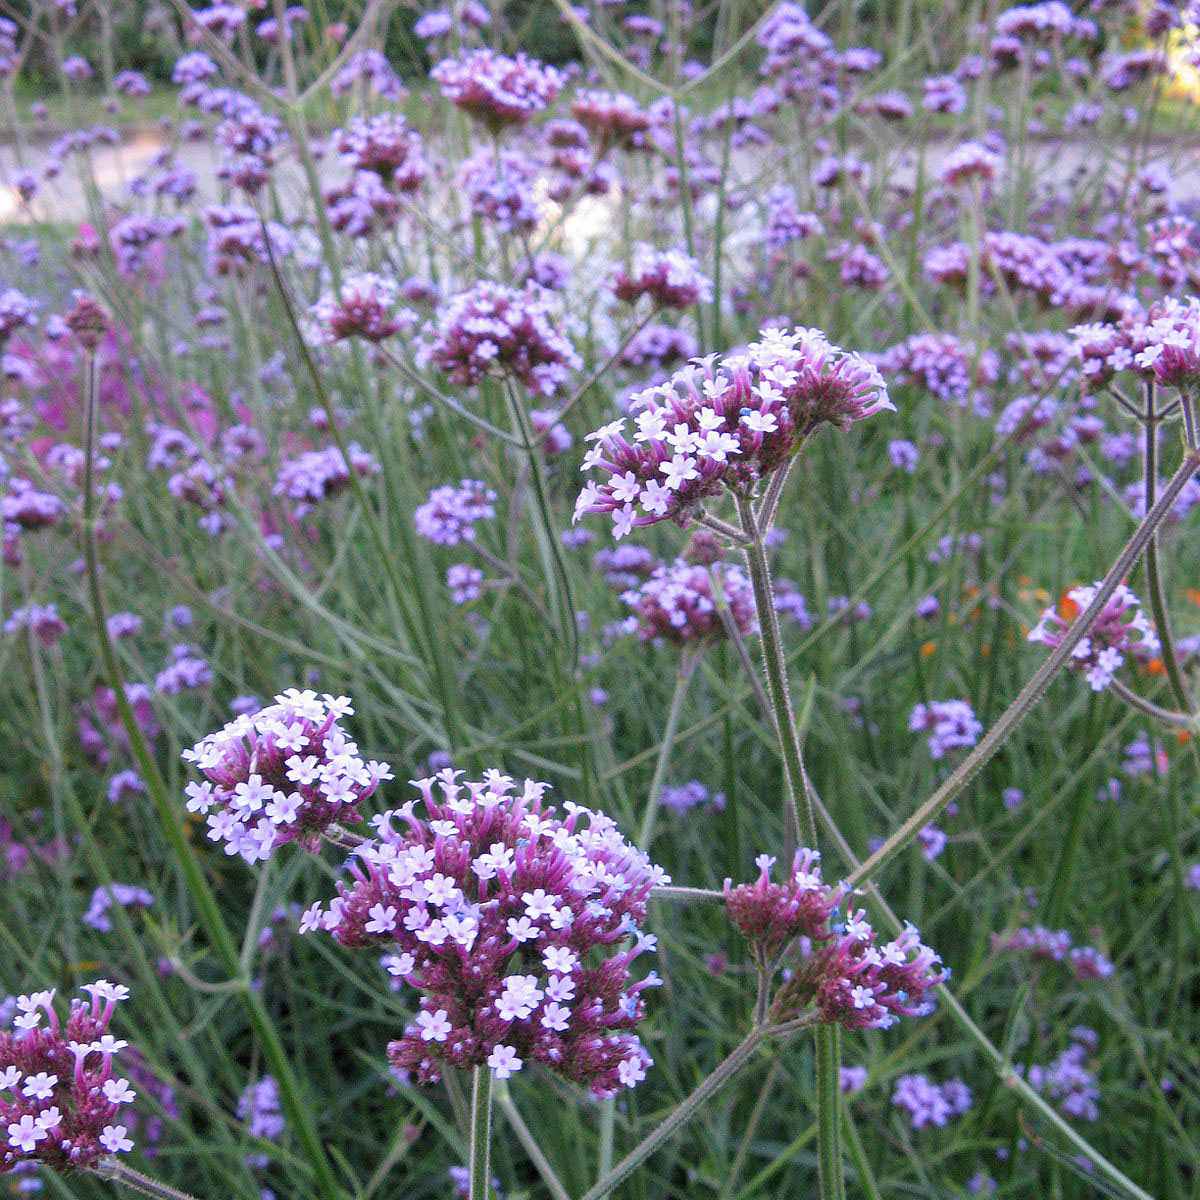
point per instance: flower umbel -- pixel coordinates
(1102, 653)
(284, 774)
(59, 1099)
(724, 424)
(837, 972)
(517, 927)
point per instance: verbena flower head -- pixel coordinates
(318, 474)
(1172, 337)
(720, 425)
(492, 331)
(448, 517)
(1102, 653)
(362, 307)
(386, 146)
(517, 927)
(497, 90)
(1162, 344)
(59, 1098)
(678, 603)
(670, 278)
(284, 774)
(838, 972)
(951, 725)
(928, 1103)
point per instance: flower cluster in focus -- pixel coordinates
(838, 972)
(518, 928)
(284, 774)
(723, 424)
(59, 1098)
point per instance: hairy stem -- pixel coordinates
(481, 1130)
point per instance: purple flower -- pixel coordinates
(495, 331)
(448, 517)
(501, 190)
(258, 1109)
(465, 583)
(670, 278)
(59, 1098)
(928, 1104)
(968, 162)
(103, 898)
(185, 672)
(286, 773)
(904, 455)
(517, 927)
(1102, 653)
(43, 620)
(678, 602)
(361, 308)
(951, 725)
(385, 145)
(720, 425)
(839, 973)
(318, 474)
(496, 90)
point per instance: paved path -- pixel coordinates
(112, 168)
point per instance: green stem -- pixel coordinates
(1032, 692)
(777, 685)
(112, 1168)
(1165, 715)
(708, 1088)
(297, 1110)
(561, 592)
(829, 1113)
(1154, 580)
(688, 661)
(829, 1122)
(481, 1128)
(529, 1142)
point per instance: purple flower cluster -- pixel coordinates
(613, 119)
(512, 923)
(969, 162)
(951, 725)
(361, 308)
(1054, 945)
(59, 1098)
(678, 602)
(185, 672)
(496, 90)
(928, 1103)
(127, 895)
(258, 1109)
(41, 619)
(284, 774)
(448, 517)
(494, 331)
(1162, 344)
(384, 145)
(690, 795)
(1067, 1078)
(500, 190)
(725, 424)
(670, 278)
(318, 474)
(1102, 653)
(464, 582)
(839, 972)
